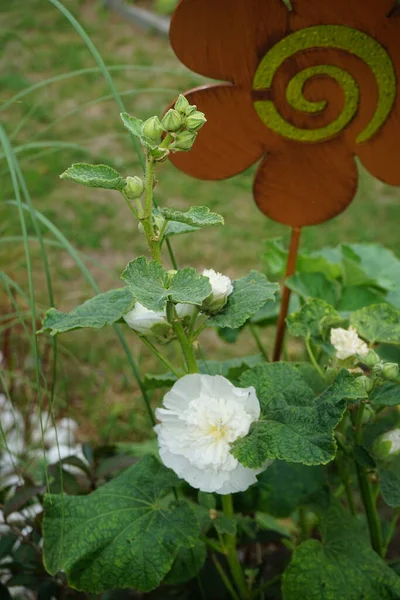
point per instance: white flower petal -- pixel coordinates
(203, 416)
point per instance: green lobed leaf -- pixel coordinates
(295, 425)
(133, 124)
(343, 565)
(378, 263)
(104, 309)
(378, 323)
(192, 220)
(355, 297)
(225, 524)
(389, 481)
(286, 486)
(387, 394)
(151, 285)
(187, 564)
(269, 523)
(249, 294)
(122, 535)
(95, 176)
(314, 285)
(312, 318)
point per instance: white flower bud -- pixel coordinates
(148, 322)
(221, 287)
(195, 121)
(202, 416)
(134, 187)
(186, 310)
(172, 120)
(347, 343)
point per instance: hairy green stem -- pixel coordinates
(186, 345)
(232, 557)
(344, 476)
(160, 356)
(147, 220)
(312, 356)
(258, 341)
(224, 577)
(367, 494)
(391, 531)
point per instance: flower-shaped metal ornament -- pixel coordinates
(305, 91)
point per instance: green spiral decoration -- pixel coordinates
(338, 37)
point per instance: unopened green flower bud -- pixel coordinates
(134, 187)
(390, 370)
(377, 370)
(368, 414)
(159, 221)
(192, 108)
(184, 141)
(366, 382)
(172, 120)
(152, 129)
(195, 121)
(182, 104)
(371, 359)
(387, 445)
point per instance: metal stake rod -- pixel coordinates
(290, 270)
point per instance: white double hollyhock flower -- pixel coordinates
(202, 416)
(148, 322)
(221, 288)
(347, 343)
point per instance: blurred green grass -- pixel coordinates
(75, 120)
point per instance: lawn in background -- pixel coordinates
(75, 120)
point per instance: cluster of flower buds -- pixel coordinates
(378, 367)
(182, 124)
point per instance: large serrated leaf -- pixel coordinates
(122, 535)
(378, 323)
(152, 287)
(295, 425)
(249, 294)
(104, 309)
(312, 318)
(195, 218)
(387, 394)
(342, 566)
(95, 176)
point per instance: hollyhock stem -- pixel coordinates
(147, 220)
(232, 557)
(186, 345)
(374, 525)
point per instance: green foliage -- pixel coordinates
(194, 219)
(249, 294)
(152, 286)
(387, 394)
(133, 125)
(95, 176)
(312, 319)
(314, 285)
(286, 486)
(378, 323)
(122, 535)
(295, 425)
(104, 309)
(343, 565)
(389, 480)
(187, 564)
